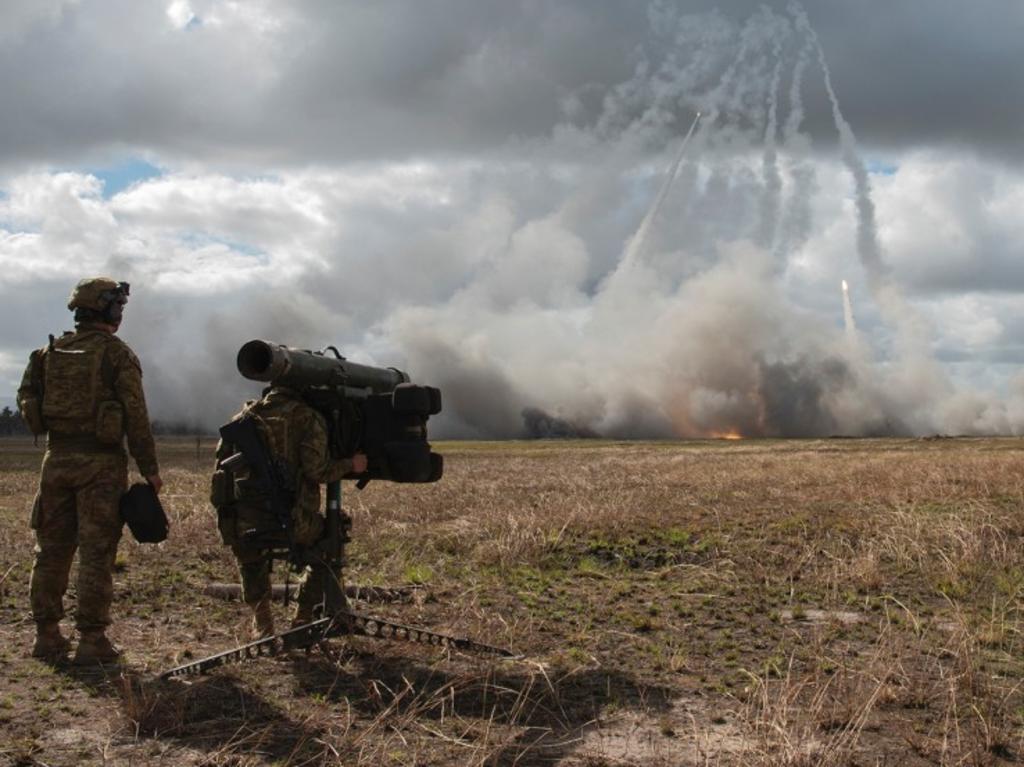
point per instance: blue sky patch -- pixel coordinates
(197, 240)
(882, 168)
(118, 177)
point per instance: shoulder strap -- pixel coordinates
(106, 364)
(39, 357)
(37, 361)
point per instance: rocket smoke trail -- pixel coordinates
(868, 247)
(726, 84)
(635, 250)
(796, 106)
(770, 166)
(913, 334)
(851, 326)
(795, 225)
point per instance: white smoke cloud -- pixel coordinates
(502, 278)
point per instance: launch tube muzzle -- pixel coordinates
(301, 368)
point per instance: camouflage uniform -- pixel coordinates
(296, 434)
(92, 398)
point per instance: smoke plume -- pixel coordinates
(692, 333)
(631, 273)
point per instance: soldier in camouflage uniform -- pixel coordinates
(296, 435)
(84, 390)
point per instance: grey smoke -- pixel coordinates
(498, 276)
(718, 349)
(635, 249)
(539, 424)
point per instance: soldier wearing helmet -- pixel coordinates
(84, 391)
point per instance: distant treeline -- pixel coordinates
(12, 425)
(168, 429)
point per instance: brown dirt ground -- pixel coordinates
(756, 602)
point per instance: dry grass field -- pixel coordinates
(824, 602)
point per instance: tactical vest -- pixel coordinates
(78, 398)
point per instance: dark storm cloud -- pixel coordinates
(317, 80)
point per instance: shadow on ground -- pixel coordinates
(508, 713)
(543, 712)
(218, 713)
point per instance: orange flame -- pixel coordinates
(732, 434)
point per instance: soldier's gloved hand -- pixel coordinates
(156, 482)
(359, 463)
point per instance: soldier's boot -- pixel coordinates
(94, 648)
(50, 644)
(262, 620)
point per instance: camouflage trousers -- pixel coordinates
(254, 568)
(77, 508)
(255, 562)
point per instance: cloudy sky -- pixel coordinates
(498, 197)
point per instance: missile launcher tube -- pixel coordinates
(300, 369)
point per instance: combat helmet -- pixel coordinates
(99, 299)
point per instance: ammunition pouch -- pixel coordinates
(223, 497)
(110, 423)
(227, 524)
(251, 523)
(251, 490)
(252, 528)
(222, 488)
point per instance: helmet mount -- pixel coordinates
(115, 299)
(99, 299)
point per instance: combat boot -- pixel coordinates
(262, 620)
(50, 644)
(94, 648)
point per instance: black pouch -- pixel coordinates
(142, 512)
(227, 524)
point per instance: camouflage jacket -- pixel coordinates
(297, 436)
(91, 395)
